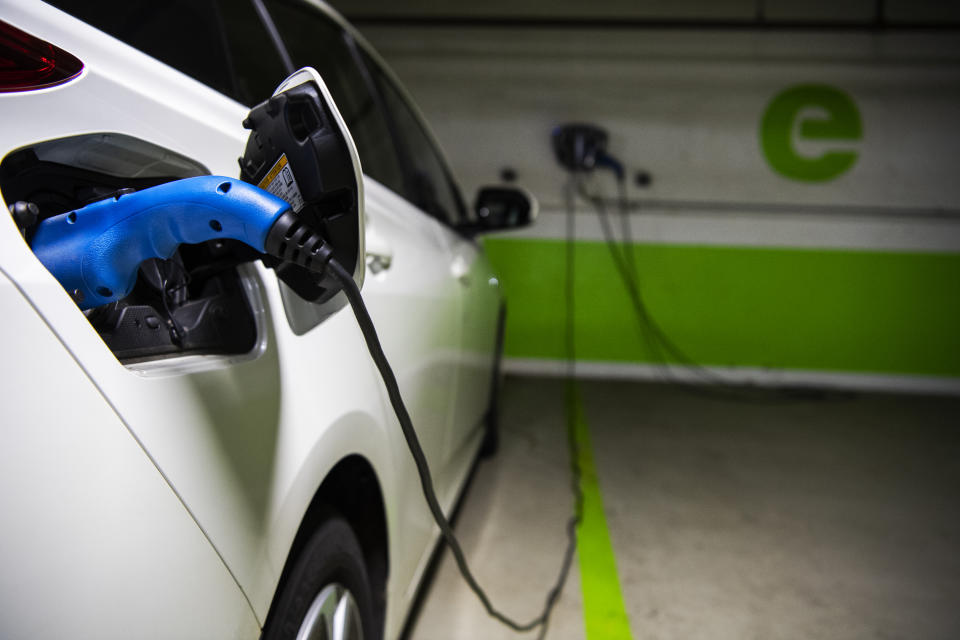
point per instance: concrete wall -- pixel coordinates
(750, 263)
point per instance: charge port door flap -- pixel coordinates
(301, 150)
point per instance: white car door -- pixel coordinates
(430, 186)
(408, 288)
(407, 291)
(481, 317)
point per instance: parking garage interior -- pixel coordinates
(784, 463)
(726, 395)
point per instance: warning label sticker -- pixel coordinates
(280, 182)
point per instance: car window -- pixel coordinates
(257, 67)
(428, 183)
(221, 43)
(314, 40)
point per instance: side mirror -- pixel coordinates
(502, 207)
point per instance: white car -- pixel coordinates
(214, 456)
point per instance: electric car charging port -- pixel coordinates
(193, 302)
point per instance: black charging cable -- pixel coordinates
(352, 291)
(707, 382)
(624, 259)
(570, 400)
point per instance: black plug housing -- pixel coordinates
(297, 152)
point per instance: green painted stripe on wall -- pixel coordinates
(833, 310)
(604, 614)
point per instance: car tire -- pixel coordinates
(491, 435)
(327, 592)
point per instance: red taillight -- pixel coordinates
(27, 62)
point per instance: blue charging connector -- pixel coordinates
(95, 251)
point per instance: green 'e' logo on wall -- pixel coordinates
(804, 114)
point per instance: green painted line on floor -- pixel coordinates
(604, 614)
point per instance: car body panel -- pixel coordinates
(480, 314)
(89, 521)
(245, 442)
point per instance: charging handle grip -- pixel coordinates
(95, 251)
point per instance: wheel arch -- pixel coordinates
(352, 490)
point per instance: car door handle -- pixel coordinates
(461, 271)
(379, 252)
(378, 262)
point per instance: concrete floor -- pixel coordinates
(831, 518)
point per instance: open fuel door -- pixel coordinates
(301, 150)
